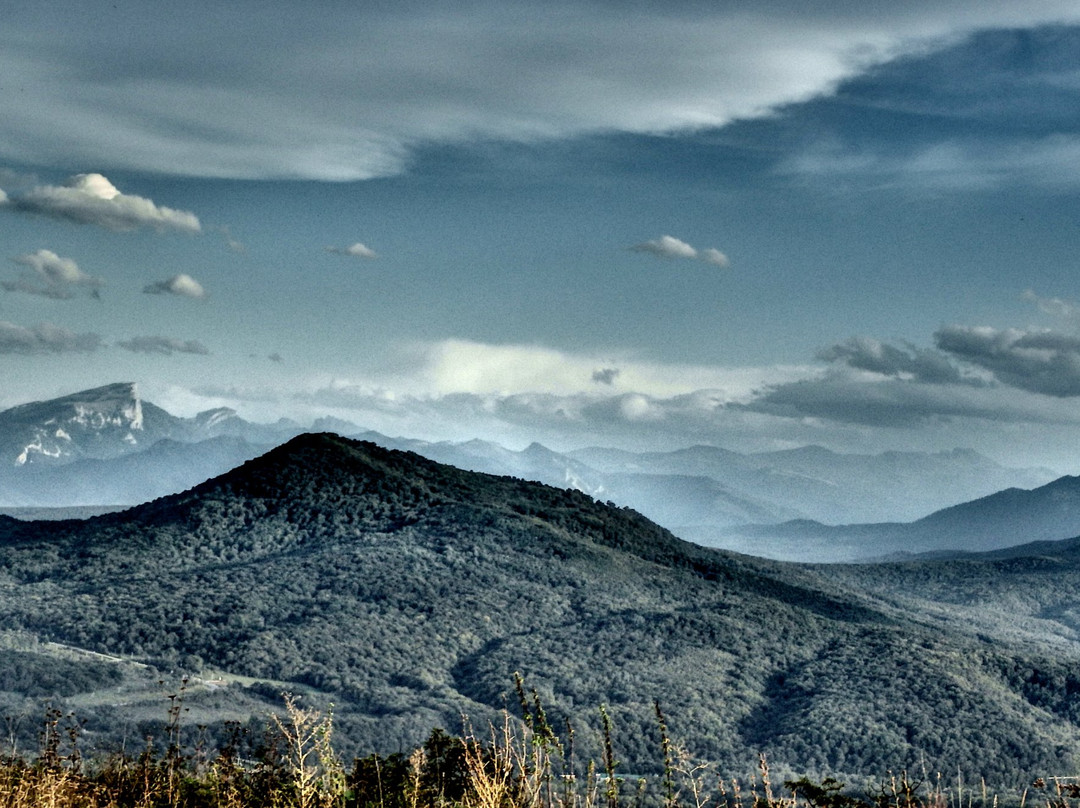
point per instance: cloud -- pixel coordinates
(1054, 306)
(1045, 362)
(44, 338)
(671, 247)
(53, 276)
(31, 287)
(226, 234)
(92, 199)
(976, 373)
(350, 93)
(463, 366)
(866, 353)
(166, 346)
(182, 285)
(713, 256)
(666, 247)
(4, 199)
(848, 398)
(605, 376)
(356, 250)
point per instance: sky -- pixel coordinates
(755, 225)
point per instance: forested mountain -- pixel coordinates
(1004, 519)
(1024, 595)
(408, 592)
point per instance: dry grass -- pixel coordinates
(515, 764)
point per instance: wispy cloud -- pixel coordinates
(53, 276)
(233, 244)
(44, 338)
(391, 77)
(166, 346)
(1054, 306)
(356, 250)
(671, 247)
(92, 199)
(182, 285)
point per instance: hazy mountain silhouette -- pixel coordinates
(1007, 518)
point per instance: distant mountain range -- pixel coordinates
(407, 592)
(108, 447)
(1001, 520)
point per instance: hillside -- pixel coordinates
(408, 592)
(1023, 595)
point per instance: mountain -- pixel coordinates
(163, 468)
(830, 487)
(114, 421)
(1024, 595)
(108, 447)
(104, 422)
(408, 592)
(718, 497)
(1003, 519)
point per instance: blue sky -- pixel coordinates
(755, 225)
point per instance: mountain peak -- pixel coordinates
(100, 422)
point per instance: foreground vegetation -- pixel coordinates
(515, 764)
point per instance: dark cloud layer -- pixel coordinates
(865, 353)
(1044, 362)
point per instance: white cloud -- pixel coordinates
(166, 346)
(44, 338)
(182, 285)
(713, 256)
(666, 247)
(671, 247)
(92, 199)
(348, 94)
(3, 197)
(356, 250)
(462, 366)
